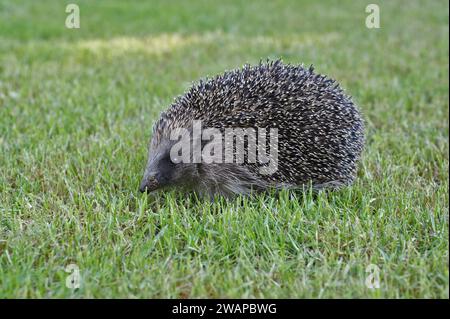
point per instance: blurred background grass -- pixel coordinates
(76, 110)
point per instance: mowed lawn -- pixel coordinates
(76, 111)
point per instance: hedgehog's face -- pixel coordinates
(161, 170)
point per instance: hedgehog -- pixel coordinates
(307, 132)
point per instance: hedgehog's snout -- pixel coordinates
(149, 184)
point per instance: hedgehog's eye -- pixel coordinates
(171, 161)
(167, 162)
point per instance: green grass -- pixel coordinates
(76, 110)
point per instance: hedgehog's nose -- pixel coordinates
(148, 184)
(143, 188)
